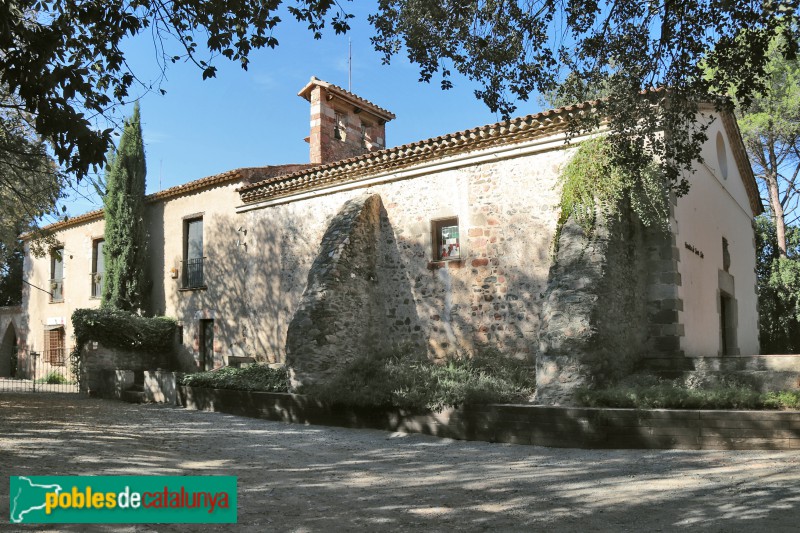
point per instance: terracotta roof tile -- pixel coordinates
(500, 133)
(507, 132)
(347, 95)
(245, 175)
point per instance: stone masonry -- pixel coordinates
(340, 315)
(490, 299)
(100, 363)
(605, 306)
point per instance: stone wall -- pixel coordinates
(99, 364)
(538, 425)
(607, 305)
(350, 305)
(489, 299)
(338, 317)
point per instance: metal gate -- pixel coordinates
(54, 371)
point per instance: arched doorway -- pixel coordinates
(8, 353)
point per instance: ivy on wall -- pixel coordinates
(121, 330)
(594, 184)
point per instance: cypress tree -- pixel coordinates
(125, 285)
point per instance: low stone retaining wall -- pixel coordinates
(158, 386)
(562, 427)
(100, 364)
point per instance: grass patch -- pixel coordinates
(654, 393)
(54, 378)
(251, 378)
(407, 380)
(782, 400)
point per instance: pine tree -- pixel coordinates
(126, 248)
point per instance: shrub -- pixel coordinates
(123, 330)
(408, 380)
(114, 328)
(54, 378)
(666, 394)
(251, 378)
(782, 400)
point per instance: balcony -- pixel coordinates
(192, 273)
(56, 290)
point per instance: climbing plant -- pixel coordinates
(594, 184)
(114, 328)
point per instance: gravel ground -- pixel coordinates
(314, 478)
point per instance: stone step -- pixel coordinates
(133, 396)
(763, 372)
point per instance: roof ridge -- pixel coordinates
(171, 192)
(387, 115)
(545, 118)
(508, 123)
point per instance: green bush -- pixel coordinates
(251, 378)
(123, 330)
(782, 400)
(114, 328)
(665, 394)
(408, 380)
(54, 378)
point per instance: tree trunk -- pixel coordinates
(771, 177)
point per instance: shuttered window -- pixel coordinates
(54, 348)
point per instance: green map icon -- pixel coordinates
(28, 499)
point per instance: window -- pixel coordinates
(363, 135)
(339, 125)
(722, 156)
(206, 344)
(726, 255)
(98, 267)
(54, 346)
(57, 275)
(446, 243)
(193, 276)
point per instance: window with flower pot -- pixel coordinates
(445, 239)
(98, 268)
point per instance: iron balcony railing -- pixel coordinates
(193, 273)
(57, 290)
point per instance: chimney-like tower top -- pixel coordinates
(343, 124)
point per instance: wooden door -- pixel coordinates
(206, 344)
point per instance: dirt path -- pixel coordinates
(313, 478)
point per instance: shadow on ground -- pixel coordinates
(313, 478)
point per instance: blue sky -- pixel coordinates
(251, 118)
